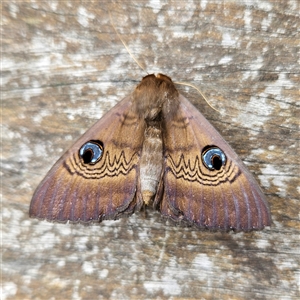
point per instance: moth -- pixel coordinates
(153, 148)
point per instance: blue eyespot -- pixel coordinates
(213, 158)
(91, 152)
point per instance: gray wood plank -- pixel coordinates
(63, 67)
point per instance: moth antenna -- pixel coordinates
(129, 52)
(202, 95)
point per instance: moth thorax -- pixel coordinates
(152, 94)
(151, 162)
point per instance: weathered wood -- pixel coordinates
(63, 67)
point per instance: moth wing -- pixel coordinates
(228, 198)
(76, 191)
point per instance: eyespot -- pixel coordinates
(91, 152)
(213, 158)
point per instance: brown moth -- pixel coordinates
(154, 147)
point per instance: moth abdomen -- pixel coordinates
(151, 163)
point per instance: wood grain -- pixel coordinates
(63, 67)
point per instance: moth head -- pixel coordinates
(91, 152)
(213, 157)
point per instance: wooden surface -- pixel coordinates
(63, 67)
